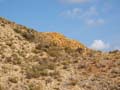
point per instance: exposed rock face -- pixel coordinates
(31, 60)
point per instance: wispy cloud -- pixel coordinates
(79, 12)
(90, 12)
(89, 16)
(75, 12)
(74, 1)
(99, 45)
(95, 22)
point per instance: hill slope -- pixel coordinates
(31, 60)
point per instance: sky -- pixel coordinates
(95, 23)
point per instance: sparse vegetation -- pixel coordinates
(36, 71)
(3, 25)
(40, 70)
(31, 60)
(28, 36)
(13, 79)
(17, 30)
(36, 87)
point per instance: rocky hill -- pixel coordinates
(31, 60)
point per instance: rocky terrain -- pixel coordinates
(31, 60)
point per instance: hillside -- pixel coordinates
(31, 60)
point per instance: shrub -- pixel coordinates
(3, 25)
(17, 30)
(69, 50)
(73, 82)
(36, 71)
(39, 70)
(42, 46)
(13, 79)
(28, 36)
(35, 86)
(115, 51)
(55, 51)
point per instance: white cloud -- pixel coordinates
(99, 45)
(74, 1)
(90, 12)
(95, 22)
(89, 16)
(75, 12)
(84, 13)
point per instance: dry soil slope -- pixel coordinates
(31, 60)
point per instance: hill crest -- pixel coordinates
(31, 60)
(52, 38)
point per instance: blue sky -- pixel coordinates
(95, 23)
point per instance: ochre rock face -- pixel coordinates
(60, 40)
